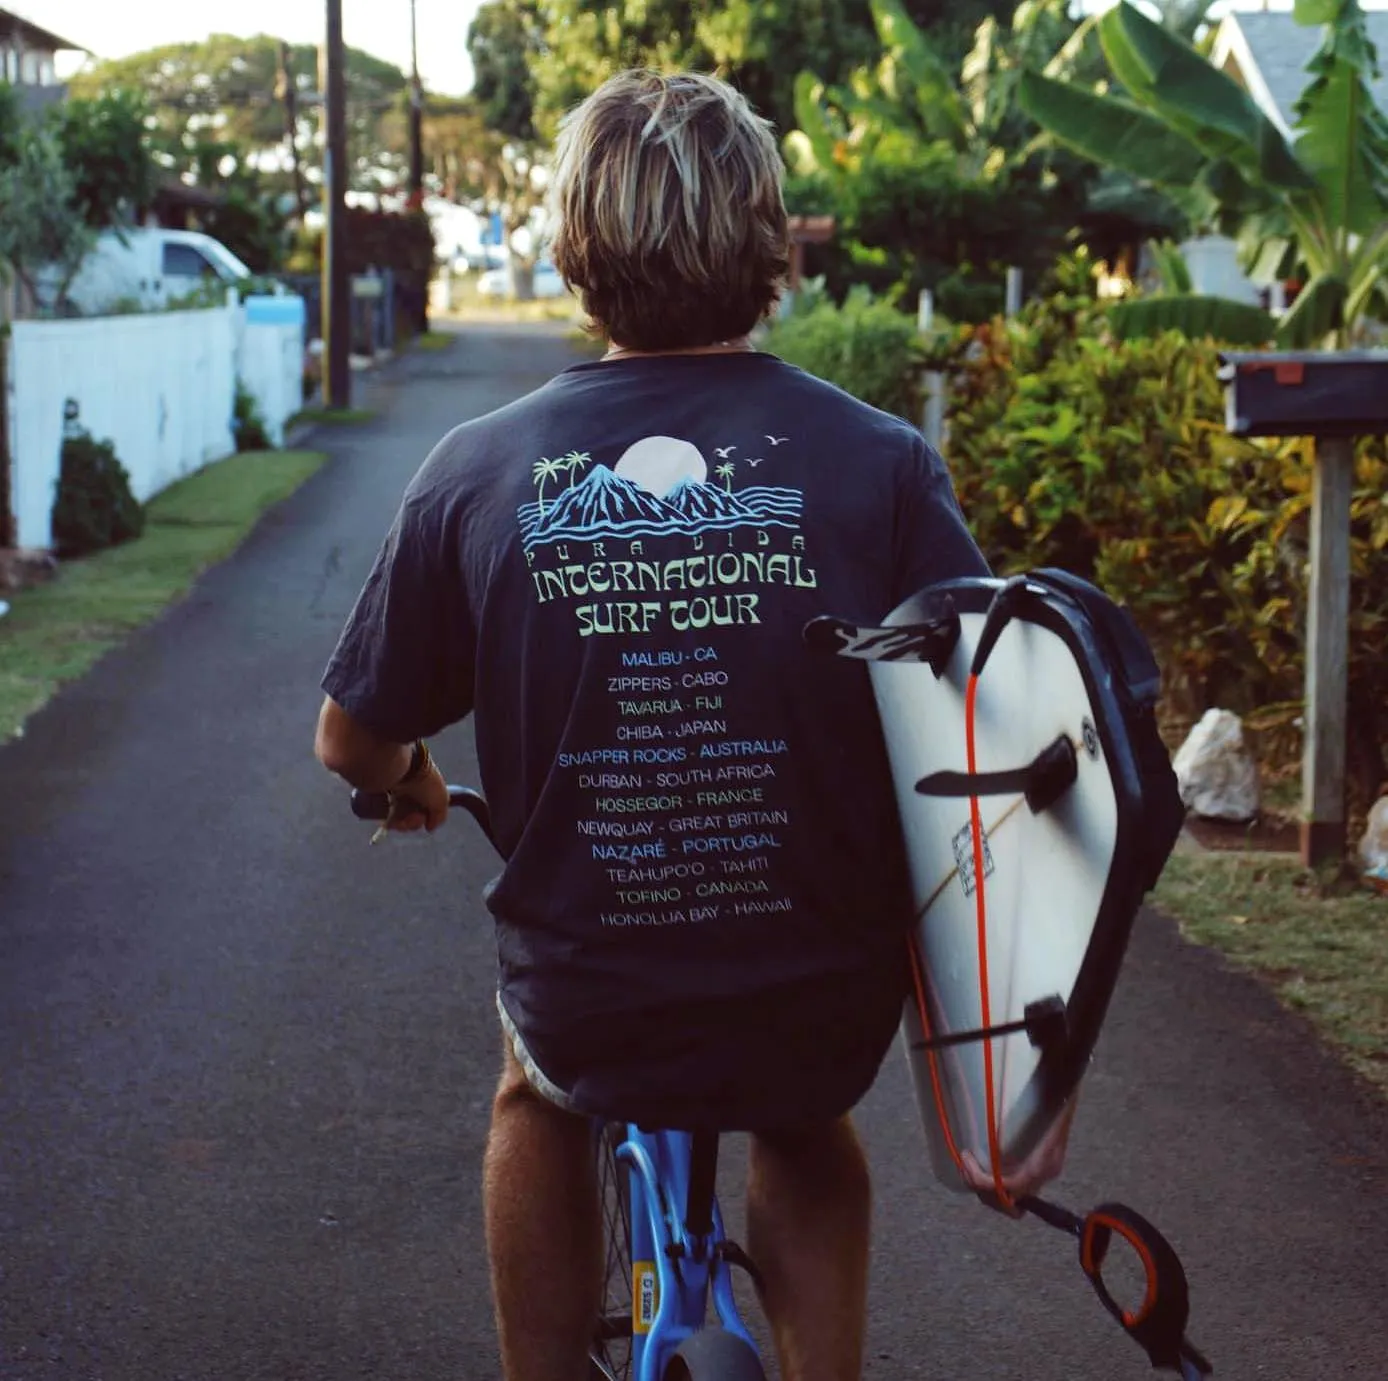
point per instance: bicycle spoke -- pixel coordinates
(611, 1352)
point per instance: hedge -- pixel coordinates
(1111, 459)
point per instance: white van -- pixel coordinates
(150, 267)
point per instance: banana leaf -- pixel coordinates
(1078, 50)
(1111, 131)
(813, 122)
(1168, 77)
(1195, 315)
(986, 96)
(918, 74)
(1172, 266)
(1317, 312)
(1342, 134)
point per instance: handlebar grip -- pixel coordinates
(370, 805)
(375, 805)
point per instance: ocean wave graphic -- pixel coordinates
(605, 504)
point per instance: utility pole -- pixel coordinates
(416, 118)
(288, 92)
(337, 305)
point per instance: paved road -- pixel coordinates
(245, 1061)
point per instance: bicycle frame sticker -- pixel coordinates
(645, 1296)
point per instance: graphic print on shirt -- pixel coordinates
(659, 487)
(681, 802)
(590, 538)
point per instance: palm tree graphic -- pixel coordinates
(573, 462)
(544, 470)
(725, 473)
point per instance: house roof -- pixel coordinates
(33, 36)
(1272, 50)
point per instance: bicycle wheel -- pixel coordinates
(714, 1354)
(610, 1356)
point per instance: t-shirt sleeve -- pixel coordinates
(933, 541)
(404, 664)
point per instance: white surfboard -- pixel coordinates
(1057, 905)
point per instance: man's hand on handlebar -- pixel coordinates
(420, 804)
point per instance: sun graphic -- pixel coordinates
(659, 463)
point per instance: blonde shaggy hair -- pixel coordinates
(669, 220)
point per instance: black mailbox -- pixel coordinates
(1306, 392)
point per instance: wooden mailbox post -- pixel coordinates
(1333, 396)
(805, 230)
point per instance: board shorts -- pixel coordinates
(797, 1054)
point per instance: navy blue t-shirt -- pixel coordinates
(702, 913)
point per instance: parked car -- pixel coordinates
(149, 268)
(497, 282)
(478, 260)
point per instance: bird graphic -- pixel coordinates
(758, 461)
(776, 440)
(723, 452)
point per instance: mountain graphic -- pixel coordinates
(602, 497)
(605, 504)
(707, 503)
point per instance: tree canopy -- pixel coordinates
(758, 45)
(228, 91)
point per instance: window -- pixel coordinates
(183, 261)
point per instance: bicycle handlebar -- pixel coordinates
(374, 805)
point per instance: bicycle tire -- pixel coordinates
(714, 1354)
(609, 1358)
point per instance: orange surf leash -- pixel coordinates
(1158, 1324)
(981, 911)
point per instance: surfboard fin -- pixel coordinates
(1045, 1021)
(1044, 780)
(931, 642)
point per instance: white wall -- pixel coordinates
(270, 358)
(1213, 261)
(160, 386)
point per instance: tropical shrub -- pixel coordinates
(1111, 459)
(866, 347)
(247, 422)
(94, 507)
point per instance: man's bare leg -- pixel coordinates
(544, 1233)
(809, 1211)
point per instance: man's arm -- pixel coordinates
(370, 763)
(402, 669)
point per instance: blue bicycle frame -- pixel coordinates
(674, 1266)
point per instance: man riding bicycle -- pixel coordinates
(702, 917)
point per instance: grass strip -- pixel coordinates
(55, 633)
(1318, 939)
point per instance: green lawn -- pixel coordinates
(56, 632)
(434, 340)
(1320, 941)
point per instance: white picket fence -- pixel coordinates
(160, 386)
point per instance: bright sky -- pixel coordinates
(381, 27)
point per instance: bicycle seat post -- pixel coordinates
(703, 1174)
